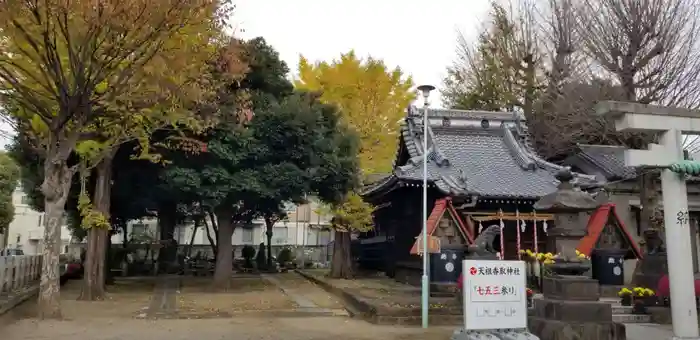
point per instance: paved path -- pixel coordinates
(299, 290)
(648, 331)
(164, 299)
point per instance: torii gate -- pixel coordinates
(670, 123)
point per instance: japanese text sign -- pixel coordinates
(494, 294)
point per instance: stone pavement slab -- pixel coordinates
(648, 331)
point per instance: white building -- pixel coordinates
(26, 231)
(302, 227)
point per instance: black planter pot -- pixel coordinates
(626, 300)
(651, 301)
(639, 306)
(529, 302)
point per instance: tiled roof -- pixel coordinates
(441, 206)
(467, 157)
(609, 159)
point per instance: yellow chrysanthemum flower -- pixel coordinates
(624, 291)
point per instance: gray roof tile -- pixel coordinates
(609, 159)
(469, 159)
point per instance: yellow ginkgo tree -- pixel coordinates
(102, 71)
(372, 99)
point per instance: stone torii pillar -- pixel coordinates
(670, 123)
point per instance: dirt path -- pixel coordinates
(270, 308)
(238, 328)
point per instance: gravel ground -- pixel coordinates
(239, 328)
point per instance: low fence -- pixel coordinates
(18, 272)
(19, 279)
(141, 259)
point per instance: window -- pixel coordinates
(290, 207)
(40, 220)
(138, 229)
(324, 237)
(312, 236)
(280, 235)
(247, 236)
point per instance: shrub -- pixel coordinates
(248, 252)
(284, 256)
(260, 258)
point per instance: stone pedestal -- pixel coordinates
(570, 310)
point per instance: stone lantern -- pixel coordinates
(570, 306)
(571, 208)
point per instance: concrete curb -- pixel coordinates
(357, 307)
(354, 306)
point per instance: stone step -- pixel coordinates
(619, 309)
(632, 318)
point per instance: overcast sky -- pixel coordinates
(418, 36)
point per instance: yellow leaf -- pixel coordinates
(371, 97)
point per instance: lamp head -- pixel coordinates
(425, 90)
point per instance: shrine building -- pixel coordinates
(482, 171)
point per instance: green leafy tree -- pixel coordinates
(73, 68)
(9, 177)
(288, 150)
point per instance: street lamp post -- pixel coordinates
(425, 283)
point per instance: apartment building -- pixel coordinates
(302, 227)
(26, 232)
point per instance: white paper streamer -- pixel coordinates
(544, 226)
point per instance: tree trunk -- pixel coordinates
(56, 185)
(268, 225)
(188, 250)
(224, 256)
(166, 225)
(211, 239)
(166, 221)
(125, 235)
(94, 277)
(341, 264)
(650, 216)
(109, 260)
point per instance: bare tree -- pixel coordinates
(649, 48)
